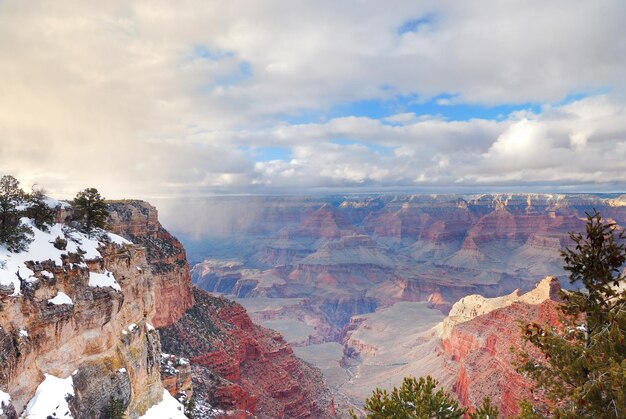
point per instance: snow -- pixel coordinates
(53, 203)
(133, 327)
(114, 238)
(23, 333)
(50, 399)
(122, 370)
(61, 298)
(41, 249)
(46, 274)
(150, 327)
(169, 408)
(5, 399)
(105, 279)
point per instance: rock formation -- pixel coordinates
(241, 367)
(479, 335)
(77, 336)
(138, 221)
(81, 314)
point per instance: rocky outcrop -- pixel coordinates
(101, 337)
(241, 367)
(176, 376)
(138, 221)
(479, 336)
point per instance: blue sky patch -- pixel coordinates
(203, 52)
(413, 25)
(438, 106)
(262, 154)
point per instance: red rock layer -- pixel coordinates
(138, 222)
(241, 367)
(481, 350)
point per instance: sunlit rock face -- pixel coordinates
(82, 317)
(478, 337)
(138, 221)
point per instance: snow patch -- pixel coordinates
(114, 238)
(13, 265)
(60, 299)
(46, 274)
(168, 408)
(53, 203)
(105, 279)
(5, 399)
(50, 399)
(133, 327)
(149, 327)
(23, 333)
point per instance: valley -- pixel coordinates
(360, 286)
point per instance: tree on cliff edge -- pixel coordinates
(91, 209)
(583, 373)
(14, 235)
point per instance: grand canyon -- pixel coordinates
(370, 288)
(309, 305)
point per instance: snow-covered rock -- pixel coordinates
(13, 267)
(5, 399)
(50, 399)
(61, 298)
(105, 279)
(168, 408)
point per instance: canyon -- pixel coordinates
(82, 326)
(293, 307)
(360, 285)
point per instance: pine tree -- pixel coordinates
(91, 209)
(583, 373)
(14, 235)
(417, 398)
(41, 214)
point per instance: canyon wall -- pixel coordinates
(243, 368)
(138, 222)
(479, 337)
(78, 338)
(235, 367)
(83, 315)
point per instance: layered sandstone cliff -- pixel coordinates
(79, 316)
(138, 221)
(480, 336)
(243, 368)
(235, 367)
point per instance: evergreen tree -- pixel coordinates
(41, 214)
(418, 398)
(91, 209)
(13, 235)
(583, 373)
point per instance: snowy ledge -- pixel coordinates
(42, 248)
(103, 280)
(60, 299)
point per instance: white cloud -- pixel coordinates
(158, 98)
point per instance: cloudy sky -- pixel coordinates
(238, 96)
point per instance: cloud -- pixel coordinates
(159, 99)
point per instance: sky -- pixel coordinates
(201, 97)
